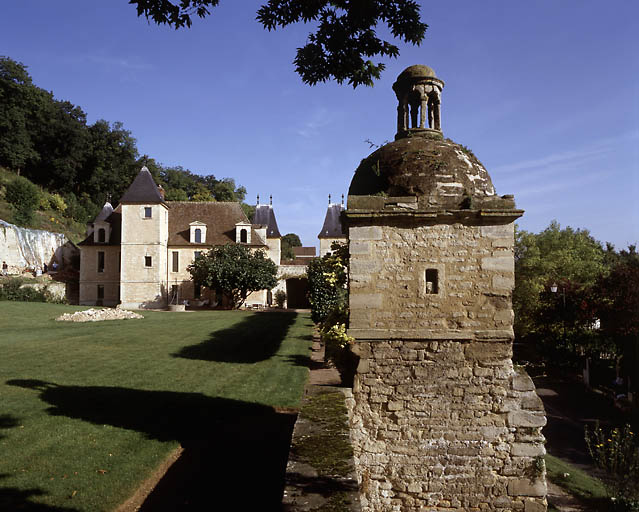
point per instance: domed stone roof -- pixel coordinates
(437, 170)
(417, 71)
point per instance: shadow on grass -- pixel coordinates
(6, 422)
(229, 446)
(256, 338)
(569, 408)
(20, 499)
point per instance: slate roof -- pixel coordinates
(142, 190)
(332, 227)
(115, 219)
(220, 219)
(107, 210)
(308, 252)
(265, 216)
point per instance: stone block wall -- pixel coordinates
(441, 421)
(388, 289)
(446, 425)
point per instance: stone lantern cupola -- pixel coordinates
(441, 420)
(418, 93)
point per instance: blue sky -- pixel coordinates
(545, 93)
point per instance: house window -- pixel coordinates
(197, 290)
(198, 236)
(100, 291)
(243, 236)
(197, 254)
(176, 261)
(148, 211)
(101, 235)
(432, 285)
(148, 261)
(100, 261)
(174, 294)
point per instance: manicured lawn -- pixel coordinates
(89, 410)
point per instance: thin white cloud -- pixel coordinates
(319, 118)
(568, 159)
(118, 62)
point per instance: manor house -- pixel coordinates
(137, 254)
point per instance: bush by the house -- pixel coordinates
(328, 296)
(280, 298)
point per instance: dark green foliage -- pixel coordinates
(280, 298)
(616, 452)
(11, 289)
(236, 270)
(175, 14)
(327, 283)
(289, 241)
(49, 142)
(345, 36)
(554, 255)
(24, 196)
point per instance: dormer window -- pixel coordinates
(243, 233)
(101, 232)
(197, 232)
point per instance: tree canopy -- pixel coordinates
(345, 37)
(49, 142)
(289, 241)
(236, 270)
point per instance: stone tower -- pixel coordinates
(440, 418)
(145, 234)
(332, 230)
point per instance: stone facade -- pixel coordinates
(137, 254)
(441, 421)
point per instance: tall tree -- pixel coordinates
(289, 241)
(554, 255)
(344, 40)
(236, 270)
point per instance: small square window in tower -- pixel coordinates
(148, 212)
(148, 261)
(432, 284)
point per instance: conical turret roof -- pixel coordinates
(265, 216)
(142, 190)
(332, 227)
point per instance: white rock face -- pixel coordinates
(98, 315)
(23, 248)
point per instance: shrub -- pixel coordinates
(12, 290)
(616, 452)
(327, 283)
(280, 298)
(24, 196)
(57, 203)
